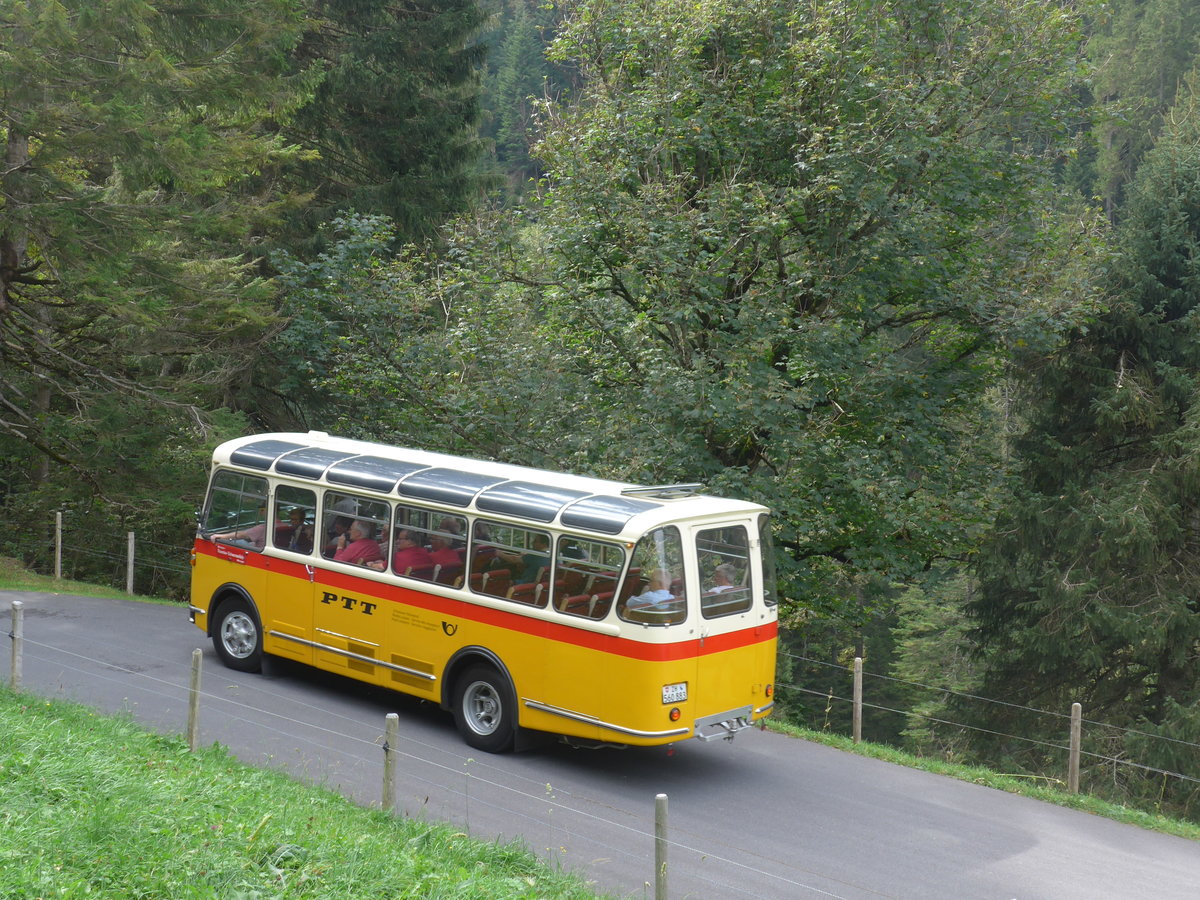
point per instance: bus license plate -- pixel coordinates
(675, 693)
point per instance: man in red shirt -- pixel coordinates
(357, 546)
(411, 556)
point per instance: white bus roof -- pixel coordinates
(536, 495)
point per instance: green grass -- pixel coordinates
(97, 807)
(15, 577)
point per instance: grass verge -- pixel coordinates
(97, 807)
(15, 577)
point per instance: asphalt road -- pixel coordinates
(761, 816)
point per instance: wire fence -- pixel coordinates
(136, 563)
(1059, 721)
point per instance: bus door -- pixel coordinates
(288, 610)
(350, 626)
(586, 674)
(735, 658)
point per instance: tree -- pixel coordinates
(394, 117)
(1142, 50)
(1089, 583)
(782, 250)
(127, 128)
(519, 75)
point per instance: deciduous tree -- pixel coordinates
(779, 248)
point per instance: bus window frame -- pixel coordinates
(262, 503)
(716, 604)
(596, 607)
(477, 546)
(672, 612)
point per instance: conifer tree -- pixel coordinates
(125, 242)
(1141, 50)
(1091, 583)
(394, 119)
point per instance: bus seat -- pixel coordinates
(525, 593)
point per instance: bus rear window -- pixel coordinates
(655, 591)
(724, 558)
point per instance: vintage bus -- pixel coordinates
(602, 612)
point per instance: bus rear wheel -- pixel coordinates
(237, 637)
(485, 709)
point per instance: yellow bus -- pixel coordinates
(602, 612)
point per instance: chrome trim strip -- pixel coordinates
(345, 637)
(197, 611)
(592, 720)
(348, 654)
(765, 709)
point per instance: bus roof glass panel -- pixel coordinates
(372, 472)
(607, 515)
(446, 486)
(260, 454)
(529, 501)
(311, 462)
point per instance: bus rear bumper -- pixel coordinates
(724, 725)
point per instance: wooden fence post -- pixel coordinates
(194, 702)
(18, 637)
(660, 847)
(858, 699)
(129, 566)
(391, 738)
(1076, 740)
(58, 545)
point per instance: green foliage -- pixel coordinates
(394, 117)
(1089, 582)
(518, 76)
(1142, 50)
(126, 262)
(781, 250)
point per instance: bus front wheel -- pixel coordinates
(485, 709)
(237, 637)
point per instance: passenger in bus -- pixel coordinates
(409, 554)
(358, 545)
(300, 538)
(339, 528)
(452, 525)
(723, 579)
(442, 553)
(529, 566)
(255, 535)
(657, 593)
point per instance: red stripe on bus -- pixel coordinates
(510, 621)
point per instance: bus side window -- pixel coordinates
(724, 558)
(236, 510)
(295, 519)
(585, 577)
(510, 562)
(424, 545)
(355, 530)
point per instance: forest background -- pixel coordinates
(922, 277)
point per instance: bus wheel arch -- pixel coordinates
(481, 696)
(236, 630)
